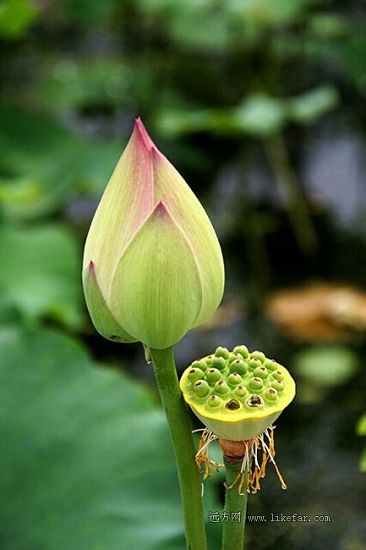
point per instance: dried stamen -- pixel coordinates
(202, 457)
(254, 455)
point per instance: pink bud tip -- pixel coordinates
(91, 265)
(144, 137)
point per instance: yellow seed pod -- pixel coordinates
(254, 396)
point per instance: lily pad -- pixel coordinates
(326, 365)
(45, 164)
(40, 273)
(85, 458)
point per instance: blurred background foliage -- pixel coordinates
(260, 104)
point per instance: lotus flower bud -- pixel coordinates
(153, 267)
(249, 401)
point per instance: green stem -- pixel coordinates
(181, 436)
(298, 211)
(233, 531)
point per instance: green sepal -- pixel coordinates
(102, 318)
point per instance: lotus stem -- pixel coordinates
(235, 509)
(182, 441)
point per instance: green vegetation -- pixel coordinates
(260, 105)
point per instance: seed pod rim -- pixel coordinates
(233, 416)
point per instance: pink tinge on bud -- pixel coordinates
(162, 210)
(147, 208)
(143, 136)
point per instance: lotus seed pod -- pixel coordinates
(258, 355)
(238, 366)
(244, 404)
(199, 365)
(270, 365)
(278, 375)
(214, 401)
(254, 364)
(234, 379)
(254, 401)
(201, 388)
(218, 363)
(262, 372)
(221, 387)
(153, 266)
(240, 391)
(222, 352)
(234, 357)
(213, 376)
(243, 350)
(277, 385)
(270, 394)
(255, 383)
(195, 374)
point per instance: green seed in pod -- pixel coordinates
(243, 350)
(255, 383)
(208, 360)
(270, 365)
(214, 401)
(254, 364)
(195, 374)
(199, 365)
(222, 352)
(234, 357)
(218, 363)
(270, 395)
(259, 355)
(201, 388)
(278, 375)
(261, 372)
(234, 379)
(221, 387)
(240, 391)
(278, 385)
(238, 366)
(213, 376)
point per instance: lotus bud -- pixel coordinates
(153, 267)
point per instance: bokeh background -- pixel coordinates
(260, 104)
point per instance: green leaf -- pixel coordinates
(45, 164)
(352, 52)
(269, 12)
(260, 115)
(361, 425)
(21, 198)
(105, 82)
(16, 16)
(313, 104)
(41, 273)
(91, 12)
(328, 26)
(326, 365)
(85, 458)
